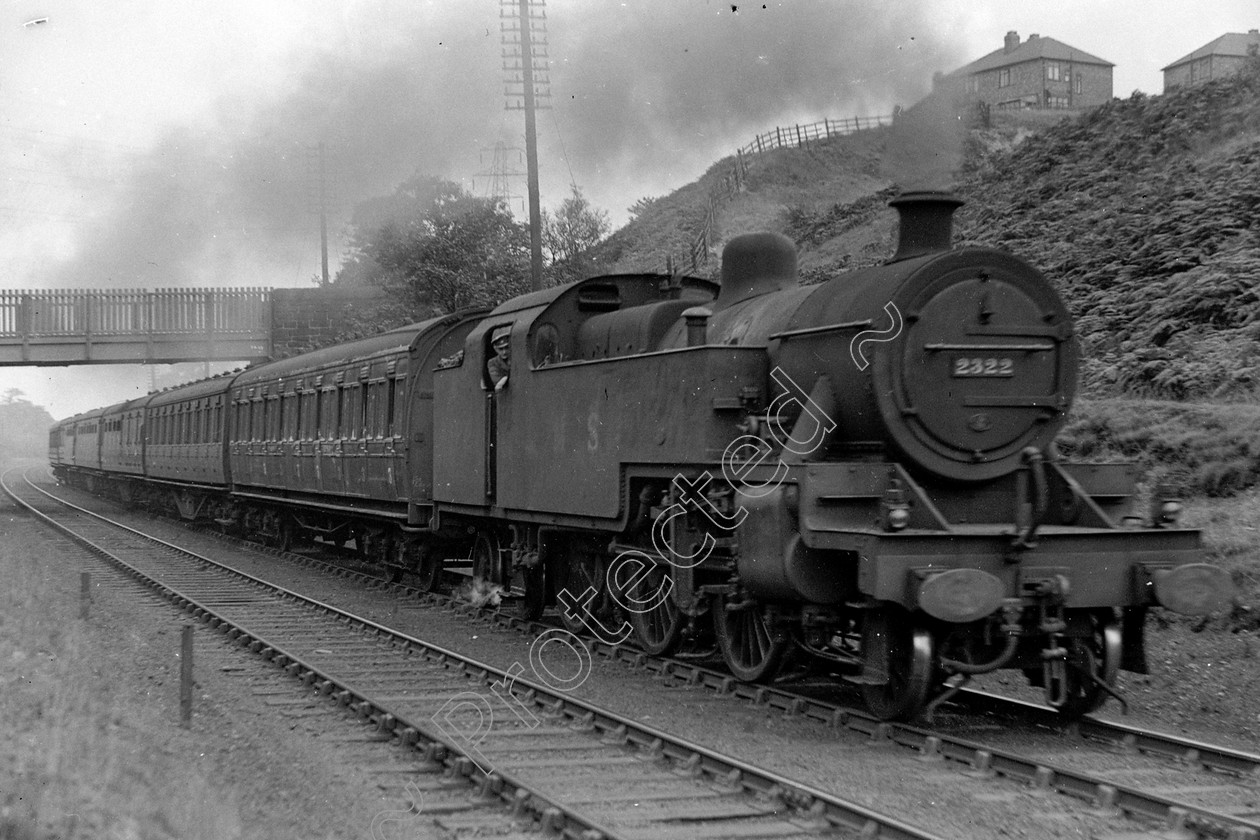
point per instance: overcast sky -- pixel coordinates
(158, 144)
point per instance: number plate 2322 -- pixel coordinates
(983, 366)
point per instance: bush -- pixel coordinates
(1210, 450)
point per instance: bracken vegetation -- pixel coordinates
(1144, 213)
(1203, 449)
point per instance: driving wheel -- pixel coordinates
(751, 648)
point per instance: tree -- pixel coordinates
(570, 233)
(437, 247)
(641, 206)
(23, 426)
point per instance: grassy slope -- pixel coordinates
(1144, 212)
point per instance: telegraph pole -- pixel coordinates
(323, 219)
(529, 104)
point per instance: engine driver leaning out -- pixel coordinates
(500, 364)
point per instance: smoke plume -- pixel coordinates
(645, 96)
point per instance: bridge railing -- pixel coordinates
(133, 324)
(103, 312)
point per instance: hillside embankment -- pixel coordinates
(1145, 215)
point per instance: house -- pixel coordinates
(1227, 54)
(1038, 73)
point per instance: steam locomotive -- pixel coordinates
(861, 472)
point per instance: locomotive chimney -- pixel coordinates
(697, 320)
(927, 222)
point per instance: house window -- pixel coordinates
(1004, 77)
(1077, 83)
(973, 84)
(1052, 71)
(1057, 102)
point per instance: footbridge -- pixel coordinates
(164, 326)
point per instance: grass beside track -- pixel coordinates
(85, 749)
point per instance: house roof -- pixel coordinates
(1036, 47)
(1231, 43)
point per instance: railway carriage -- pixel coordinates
(860, 472)
(122, 438)
(85, 452)
(184, 446)
(338, 443)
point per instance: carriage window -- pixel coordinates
(303, 413)
(317, 427)
(288, 416)
(343, 412)
(391, 407)
(256, 417)
(371, 396)
(274, 430)
(328, 413)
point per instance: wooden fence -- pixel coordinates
(733, 181)
(793, 136)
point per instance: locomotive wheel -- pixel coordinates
(284, 533)
(426, 565)
(581, 573)
(658, 630)
(400, 557)
(899, 663)
(534, 582)
(487, 565)
(1098, 653)
(364, 544)
(752, 650)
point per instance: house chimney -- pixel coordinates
(1012, 41)
(1033, 37)
(927, 222)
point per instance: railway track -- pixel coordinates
(1168, 813)
(544, 760)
